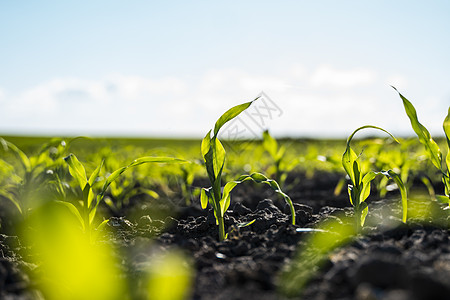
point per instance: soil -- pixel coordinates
(391, 260)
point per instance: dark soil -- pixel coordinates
(391, 260)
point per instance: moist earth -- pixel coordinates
(391, 260)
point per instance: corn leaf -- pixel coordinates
(204, 198)
(365, 192)
(94, 174)
(270, 144)
(349, 157)
(24, 160)
(73, 210)
(259, 178)
(424, 136)
(446, 126)
(102, 224)
(206, 143)
(218, 157)
(9, 196)
(143, 160)
(245, 224)
(447, 135)
(230, 114)
(208, 157)
(364, 211)
(394, 176)
(77, 170)
(348, 160)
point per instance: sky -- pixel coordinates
(171, 68)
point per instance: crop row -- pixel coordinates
(52, 179)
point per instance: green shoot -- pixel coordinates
(86, 214)
(27, 182)
(431, 146)
(276, 153)
(214, 156)
(359, 189)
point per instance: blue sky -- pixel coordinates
(171, 68)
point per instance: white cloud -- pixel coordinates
(326, 76)
(321, 101)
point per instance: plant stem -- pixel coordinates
(357, 214)
(221, 229)
(87, 225)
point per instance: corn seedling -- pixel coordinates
(26, 184)
(277, 153)
(432, 148)
(359, 189)
(86, 213)
(214, 156)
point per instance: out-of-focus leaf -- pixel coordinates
(77, 170)
(94, 174)
(25, 161)
(143, 160)
(73, 210)
(391, 174)
(270, 144)
(9, 196)
(447, 135)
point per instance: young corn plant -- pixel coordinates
(432, 148)
(25, 186)
(90, 200)
(214, 154)
(359, 189)
(281, 166)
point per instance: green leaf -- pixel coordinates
(218, 157)
(364, 211)
(73, 210)
(365, 191)
(424, 136)
(94, 174)
(143, 160)
(446, 126)
(270, 144)
(24, 160)
(206, 143)
(348, 159)
(9, 196)
(225, 204)
(77, 170)
(351, 166)
(357, 174)
(245, 224)
(102, 224)
(443, 199)
(447, 135)
(208, 156)
(204, 199)
(230, 114)
(260, 178)
(391, 174)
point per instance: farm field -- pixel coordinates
(158, 236)
(85, 218)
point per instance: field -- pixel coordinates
(86, 218)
